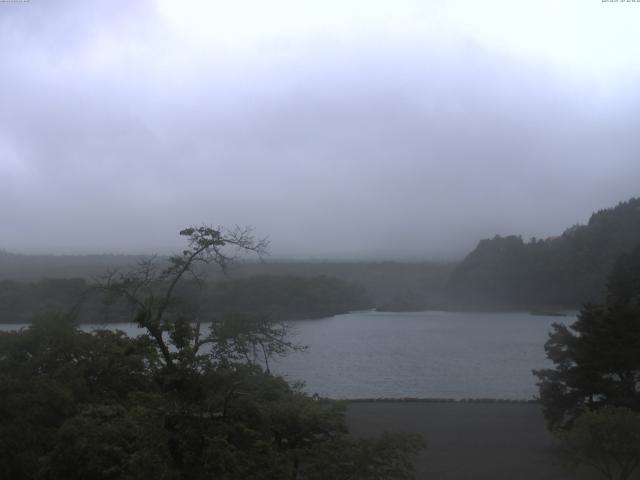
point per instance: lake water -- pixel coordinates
(422, 354)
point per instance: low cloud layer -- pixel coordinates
(347, 136)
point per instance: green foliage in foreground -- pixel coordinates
(591, 398)
(607, 440)
(176, 402)
(101, 405)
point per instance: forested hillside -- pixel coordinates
(557, 272)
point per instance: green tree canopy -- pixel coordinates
(607, 439)
(597, 358)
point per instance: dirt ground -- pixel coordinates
(471, 441)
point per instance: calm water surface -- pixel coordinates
(423, 354)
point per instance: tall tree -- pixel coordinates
(597, 358)
(152, 291)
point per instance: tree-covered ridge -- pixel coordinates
(557, 272)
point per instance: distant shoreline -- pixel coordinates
(559, 314)
(436, 400)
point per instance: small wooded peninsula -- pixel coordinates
(282, 297)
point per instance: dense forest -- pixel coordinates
(557, 272)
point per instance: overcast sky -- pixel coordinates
(340, 129)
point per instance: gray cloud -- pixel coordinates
(115, 133)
